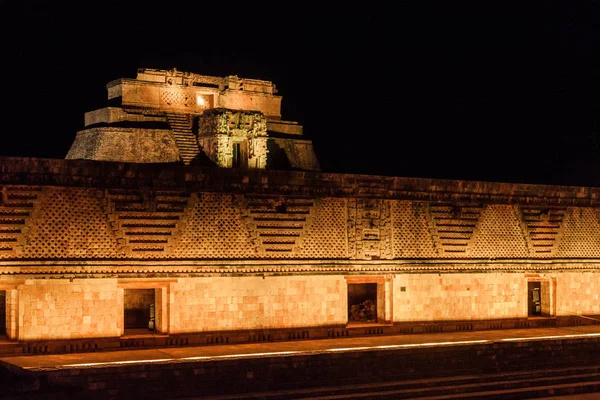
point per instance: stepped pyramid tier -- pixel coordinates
(169, 116)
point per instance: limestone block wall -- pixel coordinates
(578, 293)
(61, 309)
(125, 145)
(459, 296)
(240, 303)
(270, 105)
(12, 313)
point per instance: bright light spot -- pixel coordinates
(200, 101)
(118, 362)
(551, 337)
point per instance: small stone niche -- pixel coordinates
(362, 303)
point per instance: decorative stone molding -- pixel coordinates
(147, 222)
(453, 226)
(543, 228)
(17, 205)
(369, 229)
(277, 224)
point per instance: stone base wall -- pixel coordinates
(240, 303)
(61, 309)
(67, 309)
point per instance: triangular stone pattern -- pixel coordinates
(16, 207)
(543, 227)
(454, 226)
(144, 221)
(277, 224)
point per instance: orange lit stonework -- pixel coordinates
(208, 242)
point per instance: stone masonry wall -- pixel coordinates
(578, 293)
(439, 297)
(240, 303)
(60, 309)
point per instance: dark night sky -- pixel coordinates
(501, 91)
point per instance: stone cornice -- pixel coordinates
(94, 174)
(153, 268)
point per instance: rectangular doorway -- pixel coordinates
(139, 312)
(534, 299)
(362, 303)
(2, 312)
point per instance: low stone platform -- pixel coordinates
(394, 364)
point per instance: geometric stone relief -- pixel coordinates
(277, 224)
(16, 207)
(412, 230)
(454, 226)
(147, 222)
(580, 234)
(543, 228)
(499, 234)
(369, 229)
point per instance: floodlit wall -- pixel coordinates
(242, 303)
(61, 309)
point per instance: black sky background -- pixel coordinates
(500, 91)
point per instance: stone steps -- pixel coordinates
(185, 139)
(517, 385)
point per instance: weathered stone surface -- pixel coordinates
(125, 145)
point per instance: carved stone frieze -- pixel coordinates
(369, 229)
(147, 222)
(542, 227)
(277, 224)
(454, 226)
(17, 206)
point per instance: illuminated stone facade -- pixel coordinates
(211, 254)
(172, 116)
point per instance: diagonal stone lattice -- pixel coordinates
(16, 207)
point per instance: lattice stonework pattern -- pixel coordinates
(543, 229)
(177, 98)
(581, 237)
(369, 229)
(17, 205)
(215, 229)
(278, 224)
(70, 222)
(499, 234)
(412, 231)
(327, 236)
(146, 223)
(454, 226)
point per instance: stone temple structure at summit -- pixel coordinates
(189, 211)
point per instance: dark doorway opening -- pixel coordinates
(362, 303)
(237, 155)
(2, 312)
(139, 310)
(534, 299)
